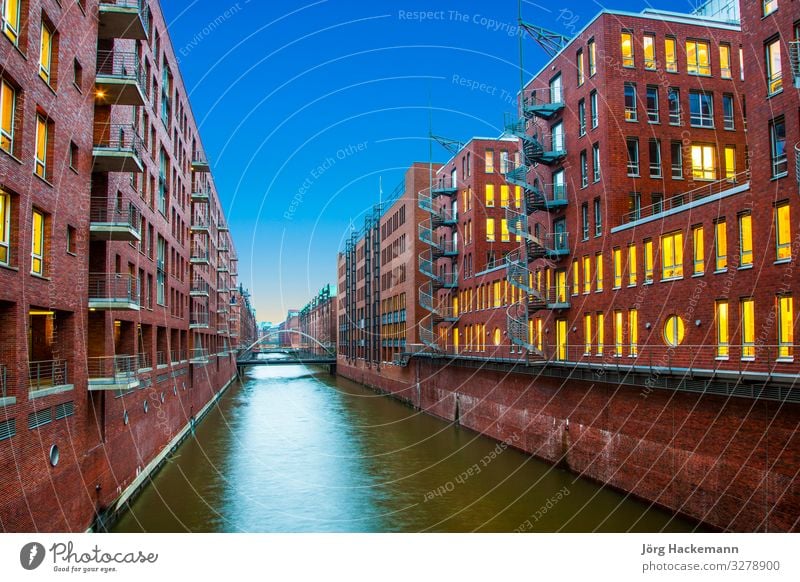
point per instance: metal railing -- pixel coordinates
(427, 267)
(200, 220)
(176, 356)
(143, 361)
(47, 374)
(441, 247)
(797, 161)
(517, 326)
(444, 186)
(120, 65)
(122, 369)
(138, 5)
(119, 287)
(440, 216)
(437, 306)
(199, 286)
(201, 193)
(198, 354)
(3, 380)
(115, 211)
(678, 200)
(199, 252)
(199, 318)
(117, 137)
(161, 359)
(794, 61)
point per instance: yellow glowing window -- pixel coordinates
(592, 58)
(745, 239)
(774, 71)
(455, 339)
(599, 272)
(725, 61)
(698, 252)
(490, 237)
(721, 245)
(618, 333)
(730, 162)
(783, 231)
(547, 281)
(785, 327)
(770, 6)
(723, 349)
(46, 53)
(498, 299)
(8, 101)
(561, 339)
(704, 162)
(698, 57)
(489, 161)
(489, 195)
(748, 328)
(617, 256)
(587, 275)
(465, 200)
(40, 163)
(37, 243)
(455, 306)
(561, 286)
(626, 46)
(5, 228)
(672, 255)
(671, 52)
(648, 261)
(674, 331)
(579, 62)
(504, 196)
(576, 288)
(632, 269)
(633, 332)
(530, 332)
(539, 333)
(587, 333)
(649, 46)
(601, 331)
(496, 336)
(505, 236)
(10, 20)
(517, 196)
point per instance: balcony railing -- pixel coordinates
(114, 291)
(199, 253)
(199, 320)
(544, 103)
(794, 61)
(162, 359)
(441, 248)
(444, 186)
(143, 362)
(200, 164)
(200, 222)
(797, 162)
(113, 373)
(117, 148)
(199, 288)
(446, 279)
(201, 193)
(440, 216)
(198, 356)
(47, 374)
(436, 305)
(128, 19)
(114, 219)
(177, 356)
(119, 79)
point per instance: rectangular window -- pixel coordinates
(505, 236)
(619, 334)
(633, 332)
(5, 228)
(581, 117)
(672, 255)
(598, 267)
(671, 53)
(748, 314)
(504, 196)
(725, 61)
(594, 108)
(576, 287)
(37, 243)
(40, 161)
(517, 197)
(773, 70)
(45, 53)
(655, 158)
(587, 275)
(489, 161)
(701, 109)
(632, 267)
(504, 162)
(630, 102)
(723, 347)
(769, 6)
(785, 327)
(587, 334)
(649, 49)
(635, 206)
(8, 103)
(676, 151)
(633, 156)
(657, 201)
(626, 47)
(584, 170)
(783, 232)
(596, 162)
(745, 240)
(561, 286)
(777, 138)
(674, 99)
(585, 220)
(698, 61)
(489, 195)
(579, 62)
(490, 237)
(728, 121)
(720, 246)
(10, 19)
(72, 242)
(601, 329)
(698, 251)
(652, 104)
(592, 58)
(648, 261)
(730, 163)
(617, 258)
(704, 162)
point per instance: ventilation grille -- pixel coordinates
(65, 410)
(40, 418)
(8, 428)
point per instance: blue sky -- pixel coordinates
(306, 106)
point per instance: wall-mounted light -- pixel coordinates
(697, 322)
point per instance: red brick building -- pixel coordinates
(116, 264)
(318, 322)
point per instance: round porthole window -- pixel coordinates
(55, 455)
(674, 331)
(125, 418)
(146, 407)
(497, 336)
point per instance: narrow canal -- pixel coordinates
(289, 450)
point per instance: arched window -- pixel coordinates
(674, 330)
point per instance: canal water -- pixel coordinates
(292, 449)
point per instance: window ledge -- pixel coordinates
(722, 358)
(778, 92)
(34, 394)
(748, 358)
(669, 279)
(45, 180)
(12, 156)
(745, 267)
(782, 261)
(698, 274)
(42, 277)
(9, 267)
(8, 401)
(779, 176)
(786, 360)
(720, 271)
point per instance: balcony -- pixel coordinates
(128, 19)
(177, 356)
(222, 329)
(199, 288)
(444, 186)
(117, 148)
(114, 292)
(794, 61)
(443, 280)
(200, 223)
(436, 305)
(441, 248)
(223, 247)
(162, 359)
(535, 104)
(119, 79)
(201, 194)
(440, 216)
(551, 197)
(199, 254)
(198, 356)
(552, 245)
(518, 327)
(200, 165)
(48, 376)
(546, 150)
(113, 373)
(199, 320)
(222, 267)
(113, 219)
(427, 333)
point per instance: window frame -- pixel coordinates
(7, 134)
(630, 102)
(40, 164)
(45, 69)
(41, 255)
(697, 68)
(650, 63)
(671, 66)
(628, 61)
(672, 262)
(5, 227)
(773, 59)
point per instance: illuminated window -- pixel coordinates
(498, 298)
(748, 328)
(496, 336)
(505, 236)
(704, 161)
(671, 52)
(783, 231)
(725, 61)
(592, 58)
(698, 61)
(630, 102)
(40, 162)
(698, 251)
(672, 255)
(517, 197)
(648, 261)
(633, 332)
(773, 70)
(649, 46)
(37, 243)
(455, 339)
(579, 63)
(504, 196)
(489, 195)
(618, 334)
(561, 287)
(576, 288)
(599, 272)
(720, 246)
(723, 349)
(745, 240)
(45, 53)
(489, 161)
(626, 46)
(561, 339)
(539, 334)
(785, 327)
(617, 258)
(769, 6)
(730, 162)
(632, 275)
(587, 275)
(674, 331)
(10, 19)
(587, 334)
(5, 228)
(8, 102)
(490, 237)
